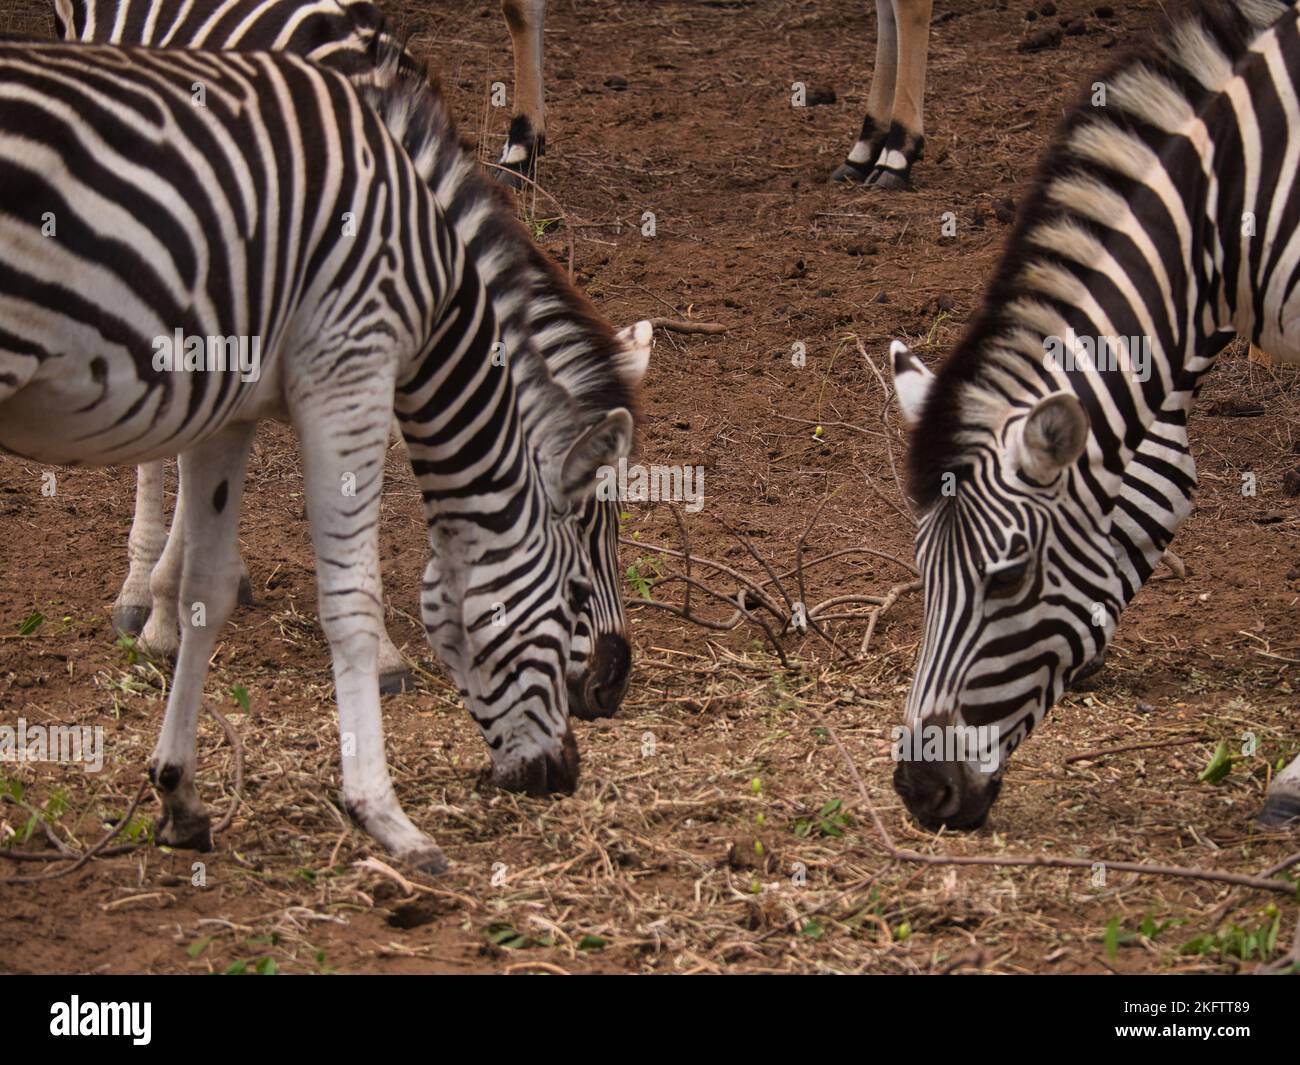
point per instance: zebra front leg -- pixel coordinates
(213, 475)
(343, 476)
(856, 169)
(527, 139)
(1282, 806)
(148, 534)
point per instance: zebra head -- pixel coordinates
(502, 595)
(1020, 586)
(600, 658)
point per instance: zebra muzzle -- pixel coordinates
(599, 693)
(550, 773)
(941, 794)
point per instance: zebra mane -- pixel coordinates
(566, 341)
(1155, 87)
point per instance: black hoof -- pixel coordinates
(851, 173)
(246, 592)
(396, 682)
(189, 832)
(427, 860)
(129, 620)
(1280, 811)
(889, 180)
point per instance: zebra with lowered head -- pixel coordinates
(344, 34)
(1162, 218)
(258, 196)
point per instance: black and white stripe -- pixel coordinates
(233, 194)
(597, 369)
(1038, 483)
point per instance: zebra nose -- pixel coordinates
(605, 683)
(551, 773)
(940, 794)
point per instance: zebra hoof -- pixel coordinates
(889, 180)
(426, 859)
(130, 620)
(1280, 811)
(185, 831)
(849, 173)
(396, 681)
(246, 592)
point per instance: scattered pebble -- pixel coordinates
(1291, 481)
(1041, 40)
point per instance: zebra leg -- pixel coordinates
(160, 637)
(213, 475)
(527, 140)
(345, 535)
(857, 168)
(148, 534)
(905, 138)
(1282, 806)
(394, 673)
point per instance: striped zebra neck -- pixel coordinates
(1132, 236)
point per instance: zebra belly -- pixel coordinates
(97, 410)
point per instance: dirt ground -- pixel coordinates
(717, 827)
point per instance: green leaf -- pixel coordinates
(31, 623)
(267, 967)
(1111, 937)
(505, 936)
(812, 929)
(590, 942)
(240, 694)
(198, 947)
(236, 968)
(1220, 765)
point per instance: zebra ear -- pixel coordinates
(602, 444)
(1053, 435)
(912, 381)
(633, 361)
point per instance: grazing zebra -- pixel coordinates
(341, 34)
(311, 28)
(1166, 216)
(261, 197)
(892, 135)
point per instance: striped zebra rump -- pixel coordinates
(1049, 458)
(257, 196)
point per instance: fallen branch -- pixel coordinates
(65, 853)
(1102, 752)
(96, 849)
(676, 325)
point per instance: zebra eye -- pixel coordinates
(1006, 581)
